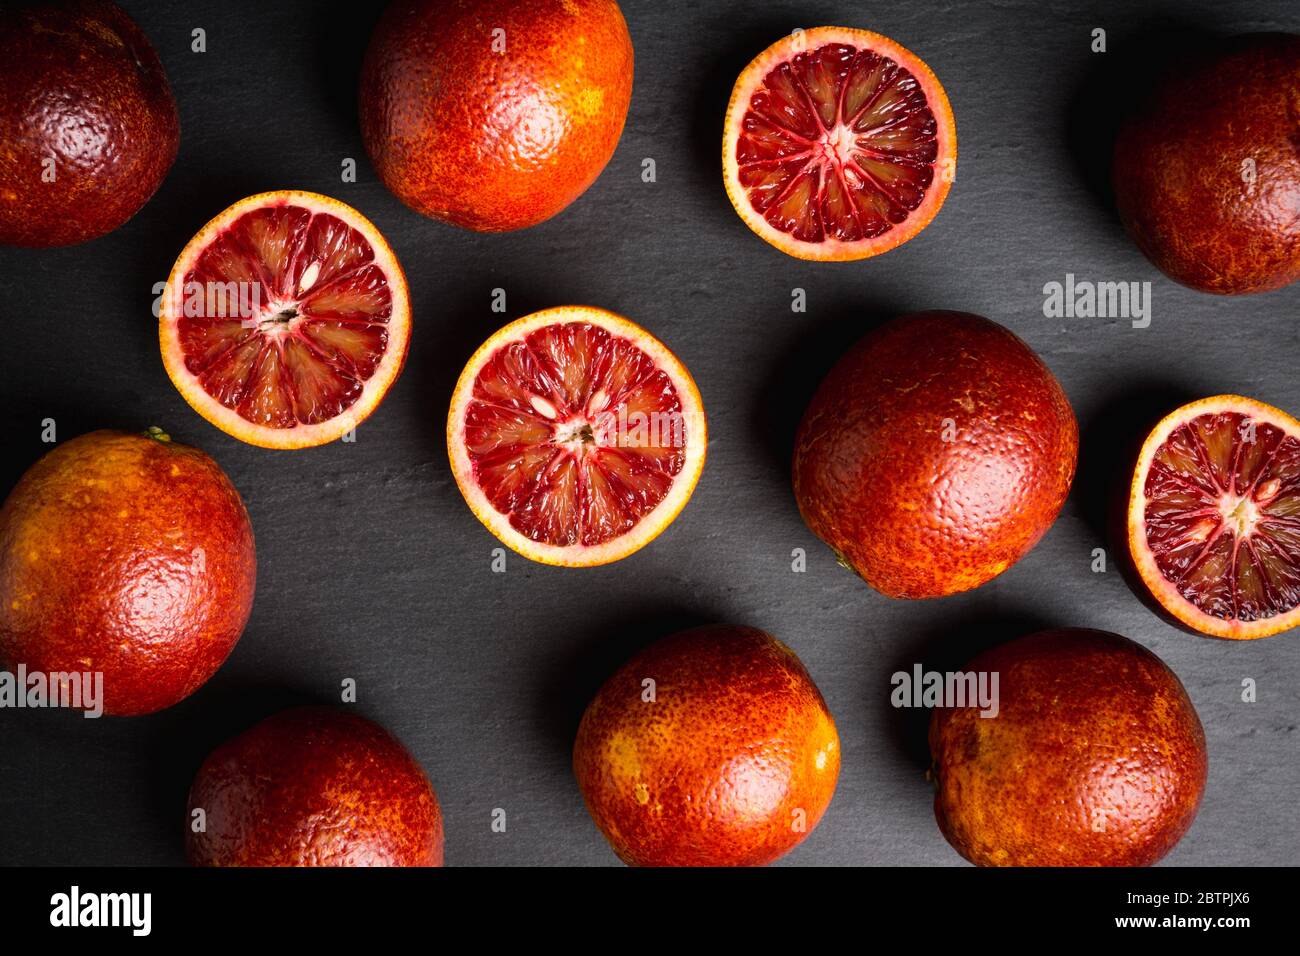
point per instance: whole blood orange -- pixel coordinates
(1206, 170)
(313, 786)
(87, 121)
(129, 555)
(575, 436)
(1214, 517)
(935, 454)
(1095, 757)
(285, 320)
(712, 747)
(495, 114)
(838, 144)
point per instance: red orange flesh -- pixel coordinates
(838, 144)
(1214, 517)
(575, 436)
(285, 320)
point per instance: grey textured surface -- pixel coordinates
(371, 566)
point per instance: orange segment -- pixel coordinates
(575, 436)
(285, 320)
(838, 144)
(1214, 517)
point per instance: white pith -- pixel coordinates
(1239, 515)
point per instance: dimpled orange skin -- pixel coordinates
(732, 764)
(935, 454)
(489, 140)
(1207, 174)
(79, 84)
(1096, 756)
(128, 555)
(314, 786)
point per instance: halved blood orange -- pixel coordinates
(285, 320)
(839, 144)
(1214, 517)
(575, 436)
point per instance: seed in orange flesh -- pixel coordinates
(575, 436)
(838, 144)
(1214, 517)
(285, 320)
(712, 747)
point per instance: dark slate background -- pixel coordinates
(371, 566)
